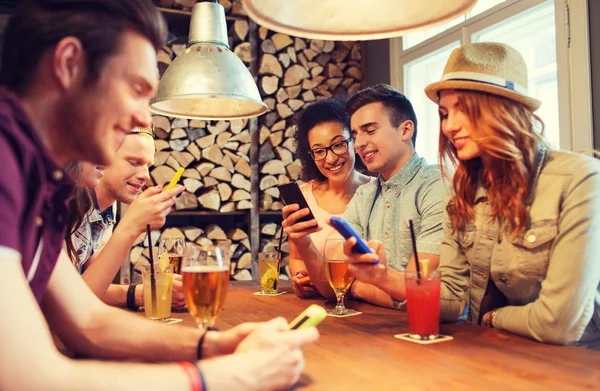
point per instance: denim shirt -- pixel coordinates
(550, 273)
(381, 210)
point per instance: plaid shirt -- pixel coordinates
(88, 238)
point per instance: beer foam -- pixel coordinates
(204, 268)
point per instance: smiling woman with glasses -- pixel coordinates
(326, 150)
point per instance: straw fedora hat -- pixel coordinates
(494, 68)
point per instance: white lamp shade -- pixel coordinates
(349, 20)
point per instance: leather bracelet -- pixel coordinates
(201, 342)
(131, 298)
(193, 373)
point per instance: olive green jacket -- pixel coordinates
(550, 273)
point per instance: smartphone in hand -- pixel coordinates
(291, 194)
(310, 317)
(347, 232)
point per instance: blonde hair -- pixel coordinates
(505, 132)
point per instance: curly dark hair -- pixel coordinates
(330, 110)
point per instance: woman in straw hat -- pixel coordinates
(522, 225)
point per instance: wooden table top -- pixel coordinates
(360, 352)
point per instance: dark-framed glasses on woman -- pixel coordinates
(338, 148)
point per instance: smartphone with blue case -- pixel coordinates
(347, 232)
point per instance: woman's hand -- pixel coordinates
(303, 287)
(298, 231)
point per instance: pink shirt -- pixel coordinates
(319, 238)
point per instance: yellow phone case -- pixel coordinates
(175, 179)
(310, 317)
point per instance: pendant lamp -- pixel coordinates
(207, 80)
(350, 20)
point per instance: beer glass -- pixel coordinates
(158, 306)
(336, 270)
(205, 281)
(173, 247)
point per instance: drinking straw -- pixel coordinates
(152, 278)
(414, 246)
(280, 240)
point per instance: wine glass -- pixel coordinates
(205, 275)
(336, 270)
(174, 248)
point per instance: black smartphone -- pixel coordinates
(291, 194)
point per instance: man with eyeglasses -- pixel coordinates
(384, 127)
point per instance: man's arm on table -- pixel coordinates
(88, 326)
(387, 289)
(31, 361)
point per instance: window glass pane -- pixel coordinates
(533, 34)
(416, 38)
(482, 6)
(419, 74)
(413, 39)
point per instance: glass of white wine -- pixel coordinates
(336, 270)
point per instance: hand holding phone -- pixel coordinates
(291, 194)
(310, 317)
(348, 232)
(175, 179)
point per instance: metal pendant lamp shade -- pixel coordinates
(207, 80)
(349, 20)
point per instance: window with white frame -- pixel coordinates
(530, 26)
(413, 39)
(418, 74)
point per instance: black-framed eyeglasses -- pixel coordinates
(338, 148)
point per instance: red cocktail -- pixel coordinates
(423, 302)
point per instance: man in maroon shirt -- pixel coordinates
(77, 76)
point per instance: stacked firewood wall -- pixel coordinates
(215, 156)
(293, 73)
(239, 246)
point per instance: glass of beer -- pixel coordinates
(268, 269)
(157, 306)
(338, 276)
(174, 248)
(423, 304)
(205, 282)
